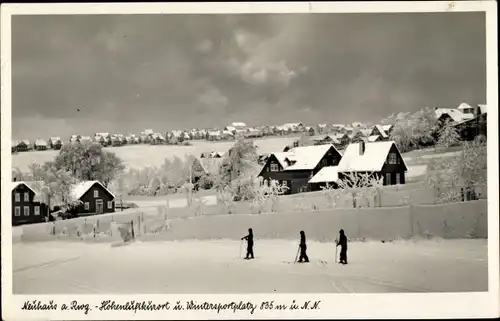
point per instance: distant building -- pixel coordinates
(55, 143)
(40, 144)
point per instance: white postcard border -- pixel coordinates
(432, 305)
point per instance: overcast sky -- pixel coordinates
(130, 72)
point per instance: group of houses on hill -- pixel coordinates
(31, 203)
(469, 122)
(310, 168)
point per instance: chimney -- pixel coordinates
(15, 179)
(361, 147)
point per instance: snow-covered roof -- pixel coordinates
(455, 114)
(308, 157)
(292, 125)
(230, 128)
(373, 138)
(14, 185)
(372, 160)
(238, 124)
(102, 134)
(282, 157)
(382, 130)
(148, 131)
(81, 188)
(40, 142)
(55, 138)
(322, 125)
(338, 125)
(226, 132)
(85, 138)
(326, 175)
(27, 142)
(482, 108)
(387, 127)
(356, 124)
(463, 106)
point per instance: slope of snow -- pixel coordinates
(216, 267)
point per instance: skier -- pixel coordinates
(343, 247)
(303, 247)
(249, 239)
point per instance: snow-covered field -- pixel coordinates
(216, 267)
(139, 156)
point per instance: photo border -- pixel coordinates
(428, 305)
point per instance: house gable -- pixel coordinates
(99, 187)
(267, 166)
(399, 160)
(330, 158)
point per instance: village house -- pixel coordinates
(382, 159)
(95, 198)
(324, 139)
(74, 138)
(13, 146)
(382, 131)
(28, 204)
(40, 144)
(326, 177)
(298, 165)
(55, 143)
(252, 133)
(343, 139)
(452, 115)
(23, 145)
(469, 129)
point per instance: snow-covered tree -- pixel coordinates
(265, 192)
(361, 186)
(240, 163)
(448, 136)
(452, 176)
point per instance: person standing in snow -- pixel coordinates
(249, 239)
(303, 247)
(343, 247)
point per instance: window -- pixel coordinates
(96, 193)
(393, 158)
(26, 197)
(388, 179)
(26, 211)
(17, 211)
(37, 210)
(18, 197)
(274, 167)
(110, 205)
(398, 178)
(87, 206)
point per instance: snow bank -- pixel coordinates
(458, 220)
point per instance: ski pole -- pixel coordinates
(336, 247)
(297, 255)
